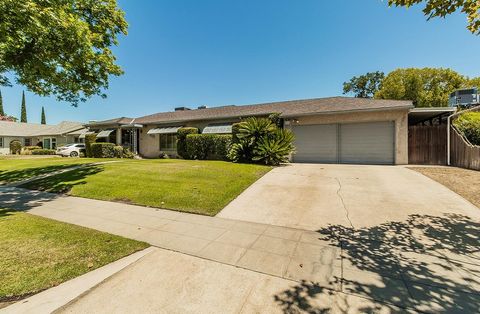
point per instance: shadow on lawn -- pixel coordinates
(19, 198)
(23, 174)
(64, 182)
(427, 262)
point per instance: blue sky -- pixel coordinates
(218, 52)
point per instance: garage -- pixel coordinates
(356, 143)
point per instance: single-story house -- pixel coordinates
(327, 130)
(32, 134)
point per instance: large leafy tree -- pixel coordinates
(364, 86)
(23, 110)
(442, 8)
(426, 87)
(60, 47)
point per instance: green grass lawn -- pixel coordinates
(203, 187)
(38, 253)
(20, 169)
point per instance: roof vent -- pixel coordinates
(202, 107)
(182, 108)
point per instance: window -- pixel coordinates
(27, 142)
(168, 142)
(54, 143)
(1, 141)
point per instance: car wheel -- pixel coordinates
(73, 154)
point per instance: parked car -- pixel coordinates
(72, 150)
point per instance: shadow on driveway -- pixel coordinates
(428, 263)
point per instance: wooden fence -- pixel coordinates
(427, 145)
(462, 153)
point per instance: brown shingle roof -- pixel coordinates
(291, 108)
(115, 121)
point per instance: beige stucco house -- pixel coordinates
(330, 130)
(32, 134)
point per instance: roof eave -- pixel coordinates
(406, 107)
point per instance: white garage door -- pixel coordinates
(365, 143)
(316, 143)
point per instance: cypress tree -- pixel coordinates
(44, 120)
(23, 116)
(2, 113)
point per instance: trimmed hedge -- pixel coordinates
(118, 151)
(42, 151)
(102, 150)
(208, 146)
(15, 147)
(31, 147)
(89, 140)
(182, 134)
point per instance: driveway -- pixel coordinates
(315, 196)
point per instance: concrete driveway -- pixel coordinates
(314, 196)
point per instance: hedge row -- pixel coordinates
(109, 150)
(207, 146)
(42, 151)
(182, 140)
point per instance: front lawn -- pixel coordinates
(13, 169)
(203, 187)
(464, 182)
(38, 253)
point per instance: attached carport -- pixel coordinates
(355, 137)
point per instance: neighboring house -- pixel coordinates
(330, 130)
(32, 134)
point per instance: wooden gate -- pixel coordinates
(427, 145)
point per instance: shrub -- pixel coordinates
(42, 151)
(182, 141)
(274, 149)
(118, 151)
(89, 140)
(15, 147)
(235, 130)
(127, 153)
(208, 146)
(102, 150)
(31, 147)
(469, 124)
(260, 140)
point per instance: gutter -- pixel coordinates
(449, 119)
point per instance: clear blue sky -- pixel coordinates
(217, 52)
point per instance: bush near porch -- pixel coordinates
(208, 146)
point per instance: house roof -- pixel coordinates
(293, 108)
(34, 129)
(114, 121)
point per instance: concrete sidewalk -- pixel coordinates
(400, 263)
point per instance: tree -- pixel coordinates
(442, 8)
(2, 112)
(60, 47)
(23, 114)
(426, 87)
(364, 86)
(43, 119)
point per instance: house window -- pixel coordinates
(54, 143)
(27, 142)
(1, 141)
(168, 142)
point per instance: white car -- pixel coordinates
(72, 150)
